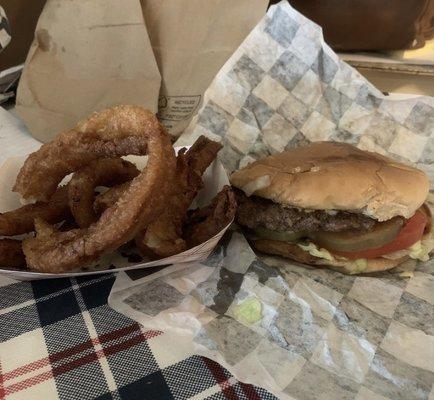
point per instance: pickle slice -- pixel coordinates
(347, 241)
(285, 236)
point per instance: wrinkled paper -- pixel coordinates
(299, 332)
(86, 56)
(191, 40)
(158, 54)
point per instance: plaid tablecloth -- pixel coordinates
(59, 339)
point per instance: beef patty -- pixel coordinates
(254, 212)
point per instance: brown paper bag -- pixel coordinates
(192, 39)
(87, 55)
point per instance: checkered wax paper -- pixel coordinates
(5, 30)
(60, 340)
(284, 87)
(300, 332)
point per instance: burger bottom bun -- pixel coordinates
(294, 252)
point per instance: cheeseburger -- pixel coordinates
(335, 205)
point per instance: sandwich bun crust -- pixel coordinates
(294, 252)
(336, 176)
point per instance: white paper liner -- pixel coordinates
(125, 259)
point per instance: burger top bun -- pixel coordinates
(336, 176)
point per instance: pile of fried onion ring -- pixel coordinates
(75, 226)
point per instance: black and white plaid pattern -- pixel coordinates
(59, 339)
(5, 30)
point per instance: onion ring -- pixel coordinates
(11, 254)
(141, 203)
(163, 237)
(21, 220)
(102, 172)
(204, 223)
(108, 198)
(116, 131)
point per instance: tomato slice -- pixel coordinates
(411, 232)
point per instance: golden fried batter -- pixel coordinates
(142, 202)
(116, 131)
(102, 172)
(21, 220)
(163, 237)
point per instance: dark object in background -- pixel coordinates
(5, 30)
(23, 16)
(371, 24)
(6, 90)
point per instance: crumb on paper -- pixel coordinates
(407, 274)
(249, 311)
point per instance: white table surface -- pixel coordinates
(15, 139)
